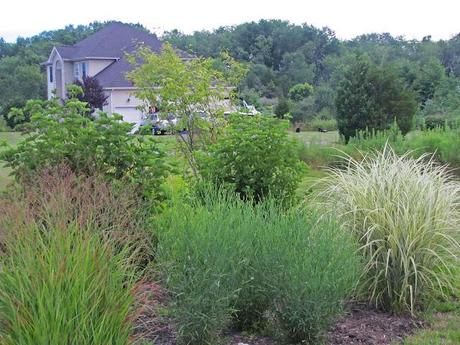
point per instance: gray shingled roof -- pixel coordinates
(114, 74)
(109, 42)
(113, 41)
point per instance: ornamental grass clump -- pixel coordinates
(405, 214)
(64, 286)
(229, 264)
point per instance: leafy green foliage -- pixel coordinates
(404, 212)
(193, 91)
(255, 158)
(282, 108)
(372, 98)
(300, 91)
(230, 264)
(63, 134)
(19, 82)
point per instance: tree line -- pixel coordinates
(282, 55)
(293, 70)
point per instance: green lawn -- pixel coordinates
(444, 327)
(310, 137)
(12, 138)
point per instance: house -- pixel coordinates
(102, 55)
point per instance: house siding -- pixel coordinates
(95, 66)
(117, 102)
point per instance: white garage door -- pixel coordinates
(130, 114)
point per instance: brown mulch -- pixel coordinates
(150, 322)
(367, 327)
(359, 327)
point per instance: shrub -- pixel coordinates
(229, 263)
(404, 212)
(443, 143)
(255, 158)
(327, 124)
(300, 91)
(63, 286)
(311, 268)
(104, 147)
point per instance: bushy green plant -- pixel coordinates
(443, 143)
(63, 134)
(63, 286)
(405, 214)
(300, 91)
(369, 140)
(312, 269)
(327, 124)
(254, 157)
(229, 263)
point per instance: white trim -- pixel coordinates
(92, 58)
(111, 102)
(121, 88)
(126, 87)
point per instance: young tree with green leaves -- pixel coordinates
(300, 91)
(194, 91)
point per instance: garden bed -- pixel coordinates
(368, 327)
(359, 326)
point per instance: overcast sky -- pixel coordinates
(348, 18)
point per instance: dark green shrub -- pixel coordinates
(434, 121)
(229, 263)
(63, 134)
(255, 158)
(373, 97)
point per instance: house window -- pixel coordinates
(84, 69)
(50, 68)
(76, 70)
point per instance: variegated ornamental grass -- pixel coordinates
(405, 213)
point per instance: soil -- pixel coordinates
(359, 326)
(367, 327)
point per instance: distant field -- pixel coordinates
(12, 138)
(317, 137)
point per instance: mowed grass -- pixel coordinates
(311, 137)
(12, 138)
(444, 328)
